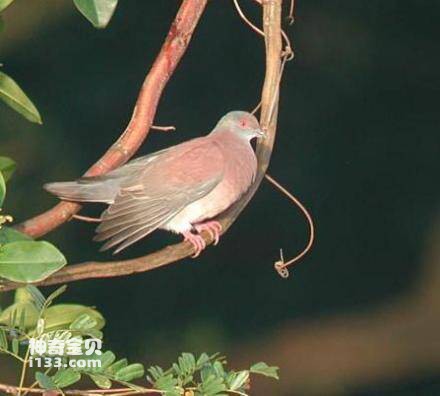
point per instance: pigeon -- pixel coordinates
(179, 189)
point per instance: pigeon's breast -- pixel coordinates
(240, 169)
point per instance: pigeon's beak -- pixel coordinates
(259, 133)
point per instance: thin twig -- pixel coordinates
(163, 128)
(86, 218)
(34, 384)
(165, 64)
(15, 390)
(246, 19)
(256, 108)
(291, 16)
(281, 265)
(11, 354)
(23, 371)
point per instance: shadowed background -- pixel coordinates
(357, 142)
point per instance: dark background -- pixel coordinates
(357, 142)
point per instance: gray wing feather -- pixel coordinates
(149, 213)
(102, 188)
(126, 170)
(159, 192)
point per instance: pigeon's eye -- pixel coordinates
(243, 123)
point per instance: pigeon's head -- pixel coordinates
(242, 123)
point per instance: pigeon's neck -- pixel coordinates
(223, 132)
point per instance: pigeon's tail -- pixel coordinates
(81, 191)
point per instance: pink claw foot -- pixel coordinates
(214, 228)
(197, 241)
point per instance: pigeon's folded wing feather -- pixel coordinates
(160, 193)
(124, 171)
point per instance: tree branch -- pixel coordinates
(144, 111)
(269, 109)
(14, 390)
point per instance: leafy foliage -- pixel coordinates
(7, 167)
(205, 376)
(98, 12)
(29, 261)
(22, 259)
(8, 235)
(32, 316)
(14, 96)
(263, 369)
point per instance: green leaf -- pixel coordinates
(206, 372)
(218, 369)
(15, 346)
(14, 96)
(263, 369)
(103, 361)
(167, 383)
(54, 295)
(7, 167)
(187, 363)
(83, 322)
(107, 358)
(4, 4)
(202, 360)
(8, 235)
(31, 293)
(60, 316)
(39, 329)
(93, 333)
(12, 314)
(239, 380)
(101, 381)
(131, 372)
(115, 367)
(22, 295)
(2, 189)
(156, 372)
(98, 12)
(3, 340)
(29, 261)
(45, 381)
(67, 377)
(212, 386)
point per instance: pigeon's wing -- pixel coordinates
(133, 166)
(160, 193)
(102, 188)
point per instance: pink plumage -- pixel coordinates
(180, 189)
